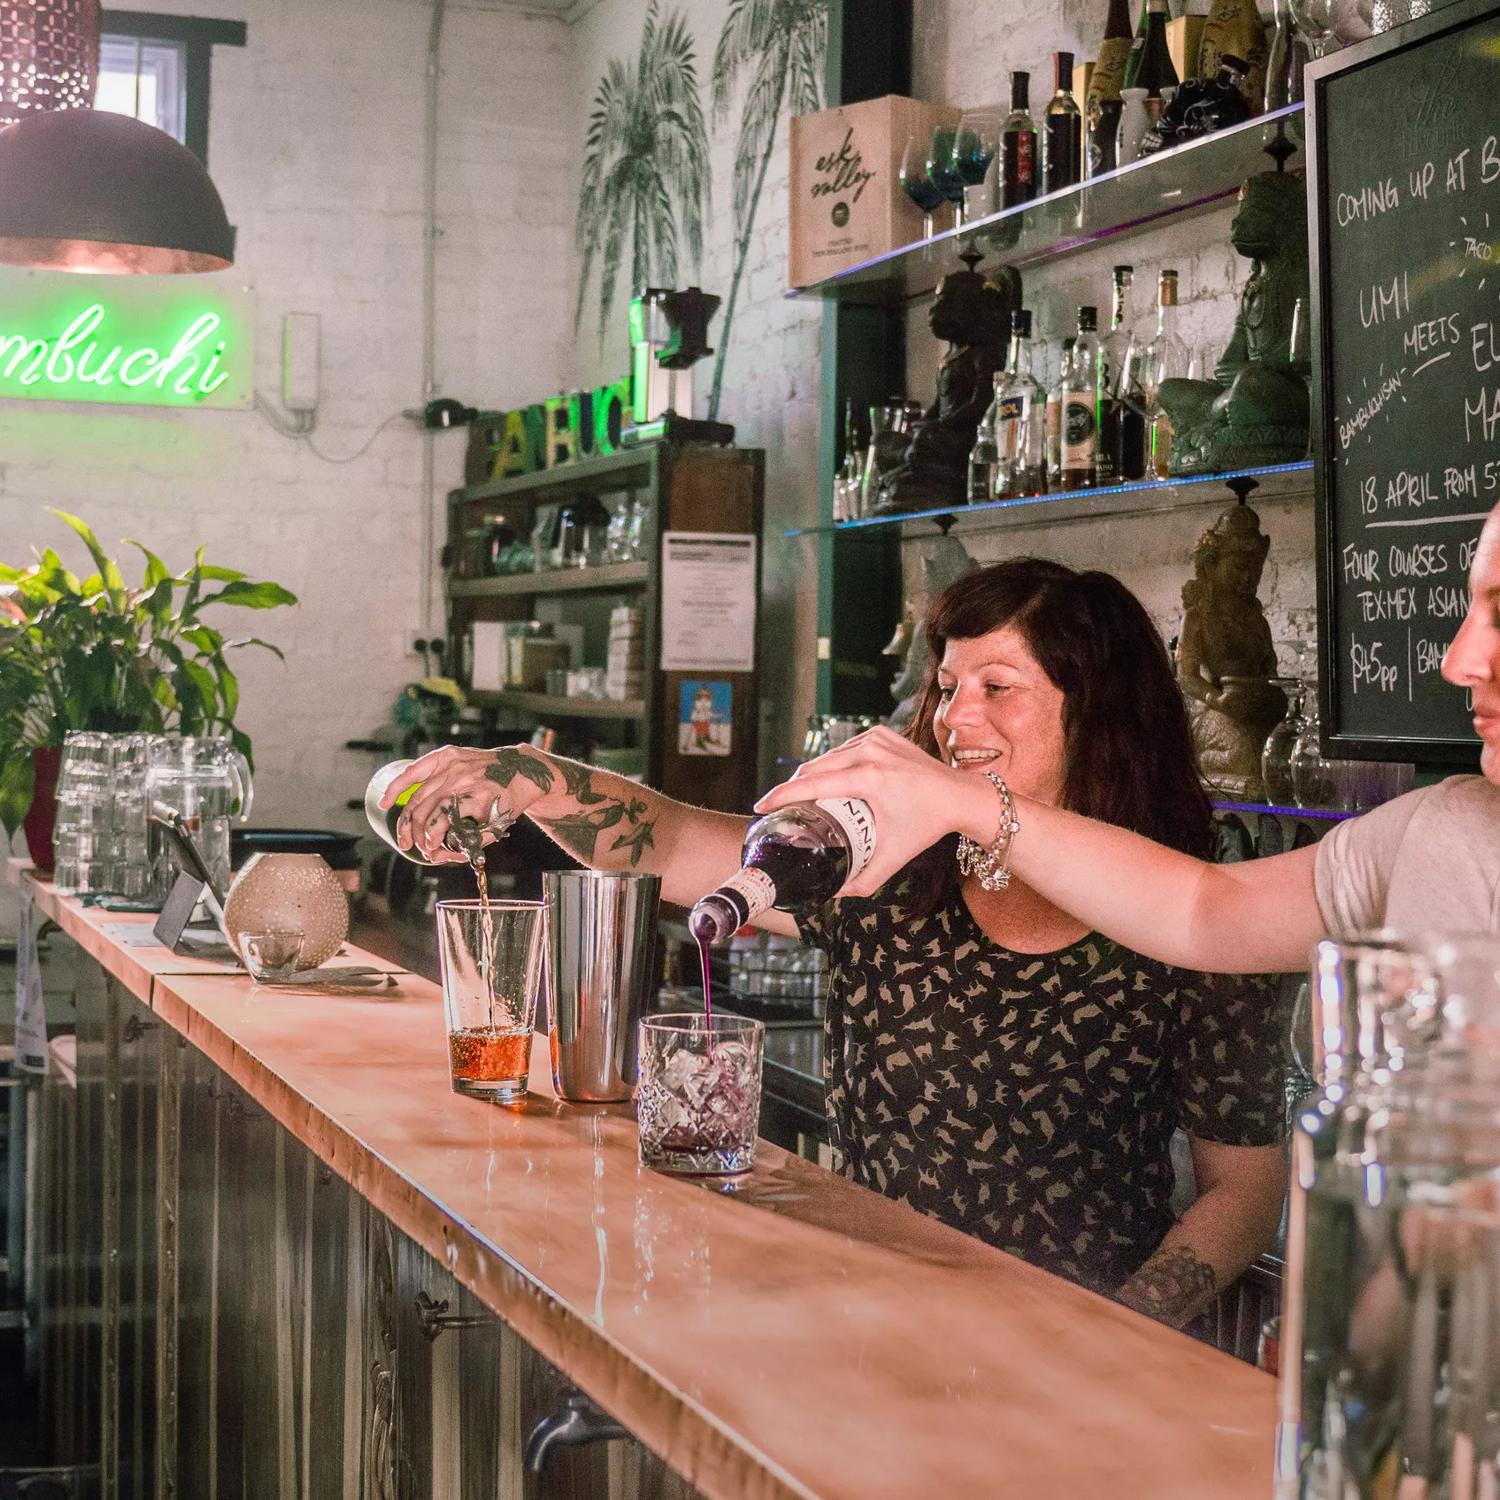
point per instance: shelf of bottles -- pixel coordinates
(1175, 183)
(1274, 482)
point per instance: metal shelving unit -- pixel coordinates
(555, 706)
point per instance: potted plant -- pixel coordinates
(96, 653)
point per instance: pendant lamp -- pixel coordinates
(83, 190)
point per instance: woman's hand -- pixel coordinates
(489, 786)
(916, 799)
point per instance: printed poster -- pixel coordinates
(704, 718)
(707, 601)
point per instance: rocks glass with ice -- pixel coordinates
(698, 1102)
(492, 956)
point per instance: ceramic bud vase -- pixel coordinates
(290, 892)
(1134, 121)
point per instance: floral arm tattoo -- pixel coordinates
(625, 823)
(1173, 1287)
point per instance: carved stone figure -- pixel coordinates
(945, 563)
(1255, 409)
(1225, 657)
(971, 313)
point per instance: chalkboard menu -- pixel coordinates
(1404, 190)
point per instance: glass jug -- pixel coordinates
(206, 782)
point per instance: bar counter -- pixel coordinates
(786, 1334)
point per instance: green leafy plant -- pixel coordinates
(95, 653)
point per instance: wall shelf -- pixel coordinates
(1175, 184)
(602, 475)
(1146, 497)
(611, 576)
(559, 707)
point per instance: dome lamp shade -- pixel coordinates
(84, 190)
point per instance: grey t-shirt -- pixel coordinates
(1428, 861)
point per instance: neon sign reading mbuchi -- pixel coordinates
(81, 355)
(137, 341)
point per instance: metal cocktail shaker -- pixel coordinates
(601, 934)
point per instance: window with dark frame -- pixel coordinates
(157, 68)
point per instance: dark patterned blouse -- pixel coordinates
(1030, 1099)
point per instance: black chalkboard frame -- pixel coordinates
(1424, 750)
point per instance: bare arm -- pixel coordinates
(605, 821)
(1257, 917)
(1234, 1218)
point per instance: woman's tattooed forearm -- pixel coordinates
(1173, 1287)
(595, 814)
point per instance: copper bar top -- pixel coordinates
(789, 1334)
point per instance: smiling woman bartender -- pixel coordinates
(990, 1060)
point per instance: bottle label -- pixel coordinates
(858, 823)
(1109, 69)
(750, 893)
(1078, 433)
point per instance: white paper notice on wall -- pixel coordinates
(707, 601)
(31, 1013)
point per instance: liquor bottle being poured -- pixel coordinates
(795, 857)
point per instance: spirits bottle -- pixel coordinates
(1102, 107)
(1122, 428)
(1166, 359)
(795, 857)
(1080, 428)
(1018, 146)
(1056, 394)
(1234, 28)
(465, 835)
(984, 456)
(1062, 129)
(1021, 405)
(1156, 72)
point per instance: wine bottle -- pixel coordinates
(1137, 49)
(1018, 146)
(465, 835)
(1062, 129)
(795, 857)
(1156, 71)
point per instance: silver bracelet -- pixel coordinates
(992, 865)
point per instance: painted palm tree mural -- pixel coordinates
(646, 166)
(781, 43)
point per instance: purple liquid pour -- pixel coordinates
(708, 1002)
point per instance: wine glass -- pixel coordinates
(1314, 19)
(976, 144)
(916, 181)
(942, 168)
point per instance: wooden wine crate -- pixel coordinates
(847, 204)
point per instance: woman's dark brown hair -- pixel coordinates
(1125, 730)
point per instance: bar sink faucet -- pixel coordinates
(576, 1421)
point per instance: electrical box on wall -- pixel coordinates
(301, 361)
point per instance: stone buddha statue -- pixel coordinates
(1226, 662)
(1255, 409)
(971, 313)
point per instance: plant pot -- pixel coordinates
(41, 817)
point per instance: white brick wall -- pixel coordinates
(316, 147)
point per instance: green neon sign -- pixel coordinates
(125, 340)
